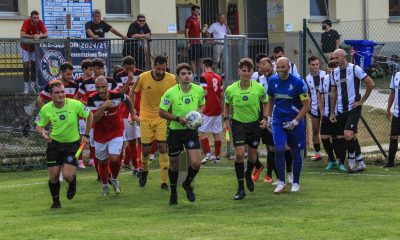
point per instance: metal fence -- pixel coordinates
(374, 128)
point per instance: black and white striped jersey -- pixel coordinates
(394, 86)
(261, 78)
(324, 89)
(347, 82)
(313, 82)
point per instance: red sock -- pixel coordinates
(80, 156)
(114, 167)
(206, 145)
(127, 155)
(217, 147)
(139, 156)
(153, 147)
(92, 153)
(96, 165)
(133, 153)
(103, 171)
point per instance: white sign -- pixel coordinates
(171, 28)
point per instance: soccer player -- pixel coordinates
(175, 104)
(108, 130)
(62, 115)
(277, 53)
(394, 118)
(126, 79)
(346, 83)
(328, 137)
(244, 97)
(152, 85)
(287, 106)
(313, 81)
(212, 119)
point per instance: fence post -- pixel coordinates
(304, 49)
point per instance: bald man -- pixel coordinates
(288, 104)
(108, 130)
(346, 82)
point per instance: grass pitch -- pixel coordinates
(329, 206)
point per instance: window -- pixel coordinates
(8, 6)
(319, 8)
(118, 7)
(394, 8)
(182, 13)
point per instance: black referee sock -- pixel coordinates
(191, 174)
(173, 179)
(392, 150)
(249, 169)
(328, 149)
(317, 147)
(350, 145)
(239, 169)
(288, 160)
(55, 190)
(270, 162)
(341, 148)
(257, 163)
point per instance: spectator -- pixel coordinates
(141, 33)
(218, 30)
(193, 30)
(97, 28)
(330, 39)
(31, 28)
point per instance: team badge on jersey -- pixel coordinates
(166, 102)
(187, 100)
(245, 98)
(62, 117)
(70, 159)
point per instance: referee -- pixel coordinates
(62, 115)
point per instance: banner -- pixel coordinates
(50, 57)
(82, 49)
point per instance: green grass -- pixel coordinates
(329, 206)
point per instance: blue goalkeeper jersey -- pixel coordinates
(287, 95)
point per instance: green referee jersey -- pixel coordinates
(246, 102)
(181, 103)
(63, 121)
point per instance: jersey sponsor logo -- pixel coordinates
(187, 100)
(245, 98)
(166, 102)
(49, 64)
(62, 117)
(290, 87)
(284, 96)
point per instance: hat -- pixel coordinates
(327, 22)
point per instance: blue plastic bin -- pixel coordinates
(364, 50)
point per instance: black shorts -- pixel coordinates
(267, 137)
(395, 126)
(61, 153)
(327, 127)
(246, 133)
(178, 140)
(196, 52)
(348, 121)
(314, 116)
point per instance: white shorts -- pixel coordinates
(211, 124)
(218, 51)
(27, 56)
(112, 147)
(82, 126)
(91, 138)
(131, 131)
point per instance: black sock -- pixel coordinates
(55, 190)
(191, 174)
(328, 149)
(392, 150)
(270, 162)
(341, 147)
(249, 169)
(335, 145)
(357, 147)
(73, 182)
(239, 169)
(288, 160)
(317, 147)
(350, 145)
(257, 163)
(173, 179)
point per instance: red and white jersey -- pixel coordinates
(70, 88)
(80, 80)
(110, 125)
(122, 79)
(212, 83)
(88, 87)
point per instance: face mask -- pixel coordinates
(323, 27)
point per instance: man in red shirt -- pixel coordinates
(193, 30)
(32, 28)
(108, 130)
(212, 122)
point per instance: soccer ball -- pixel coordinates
(194, 120)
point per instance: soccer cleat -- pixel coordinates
(316, 157)
(71, 190)
(217, 159)
(241, 194)
(330, 166)
(295, 187)
(360, 166)
(56, 204)
(80, 164)
(135, 172)
(351, 165)
(388, 165)
(256, 173)
(208, 158)
(275, 183)
(290, 177)
(342, 168)
(143, 178)
(268, 179)
(249, 182)
(189, 192)
(164, 186)
(280, 187)
(106, 190)
(91, 163)
(173, 199)
(116, 186)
